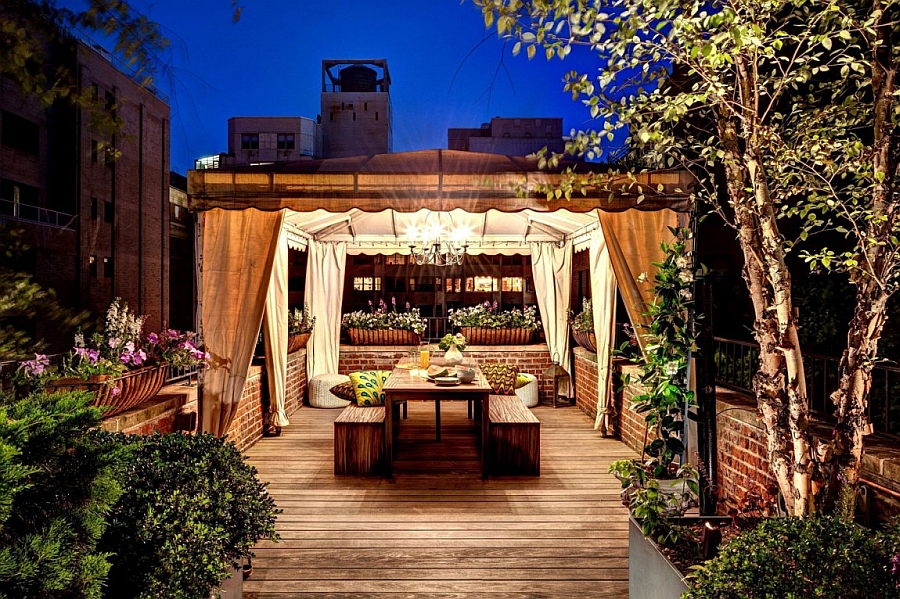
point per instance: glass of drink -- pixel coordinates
(424, 355)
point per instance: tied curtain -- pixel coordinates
(324, 293)
(551, 265)
(237, 252)
(603, 300)
(275, 332)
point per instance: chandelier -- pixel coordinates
(437, 245)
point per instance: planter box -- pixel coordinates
(383, 337)
(297, 342)
(586, 340)
(650, 574)
(486, 336)
(122, 392)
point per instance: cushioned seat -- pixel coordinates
(320, 395)
(528, 392)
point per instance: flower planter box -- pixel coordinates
(383, 337)
(650, 574)
(297, 342)
(122, 392)
(586, 340)
(486, 336)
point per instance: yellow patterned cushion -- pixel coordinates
(501, 377)
(344, 391)
(521, 381)
(367, 386)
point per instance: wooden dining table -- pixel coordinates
(407, 385)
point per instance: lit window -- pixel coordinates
(92, 266)
(470, 284)
(453, 285)
(367, 283)
(448, 285)
(412, 284)
(511, 284)
(485, 284)
(458, 284)
(250, 141)
(285, 141)
(395, 259)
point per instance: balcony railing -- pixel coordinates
(737, 361)
(36, 214)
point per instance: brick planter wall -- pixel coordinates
(533, 359)
(586, 382)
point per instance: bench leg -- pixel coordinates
(469, 409)
(437, 420)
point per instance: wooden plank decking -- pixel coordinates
(437, 529)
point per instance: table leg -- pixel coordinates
(388, 437)
(437, 420)
(485, 436)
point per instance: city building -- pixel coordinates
(513, 136)
(94, 208)
(356, 108)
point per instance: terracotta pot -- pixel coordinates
(297, 342)
(486, 336)
(586, 340)
(123, 392)
(383, 337)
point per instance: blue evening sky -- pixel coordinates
(446, 69)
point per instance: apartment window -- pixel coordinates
(107, 268)
(20, 133)
(354, 116)
(92, 266)
(511, 284)
(453, 285)
(367, 283)
(395, 259)
(109, 212)
(95, 151)
(376, 115)
(412, 283)
(285, 141)
(250, 141)
(93, 208)
(485, 284)
(110, 101)
(95, 89)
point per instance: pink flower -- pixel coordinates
(93, 356)
(130, 346)
(81, 352)
(115, 391)
(114, 342)
(153, 338)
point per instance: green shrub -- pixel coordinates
(58, 480)
(192, 509)
(793, 558)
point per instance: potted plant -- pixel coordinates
(191, 511)
(384, 326)
(453, 346)
(583, 325)
(300, 326)
(486, 324)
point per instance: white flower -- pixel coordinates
(685, 276)
(686, 294)
(681, 262)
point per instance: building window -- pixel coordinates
(485, 284)
(92, 266)
(453, 285)
(395, 259)
(367, 283)
(109, 212)
(376, 115)
(285, 141)
(20, 134)
(93, 208)
(511, 284)
(95, 151)
(107, 268)
(354, 116)
(412, 283)
(250, 141)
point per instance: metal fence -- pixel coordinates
(737, 361)
(36, 214)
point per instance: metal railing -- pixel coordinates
(36, 214)
(436, 327)
(737, 361)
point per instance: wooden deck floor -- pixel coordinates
(437, 529)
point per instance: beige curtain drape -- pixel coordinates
(237, 252)
(324, 294)
(603, 300)
(633, 239)
(275, 332)
(552, 270)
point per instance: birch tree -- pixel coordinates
(771, 105)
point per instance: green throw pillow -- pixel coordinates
(344, 391)
(501, 377)
(367, 386)
(522, 380)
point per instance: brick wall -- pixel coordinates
(586, 382)
(531, 359)
(246, 427)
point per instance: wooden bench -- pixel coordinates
(515, 437)
(359, 439)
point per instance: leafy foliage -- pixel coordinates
(300, 321)
(58, 479)
(792, 557)
(192, 509)
(583, 322)
(488, 315)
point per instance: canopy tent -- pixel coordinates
(367, 204)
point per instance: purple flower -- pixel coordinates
(37, 366)
(93, 356)
(153, 338)
(172, 334)
(138, 357)
(81, 351)
(115, 391)
(125, 357)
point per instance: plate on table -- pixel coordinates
(445, 381)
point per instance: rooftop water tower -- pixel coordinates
(356, 108)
